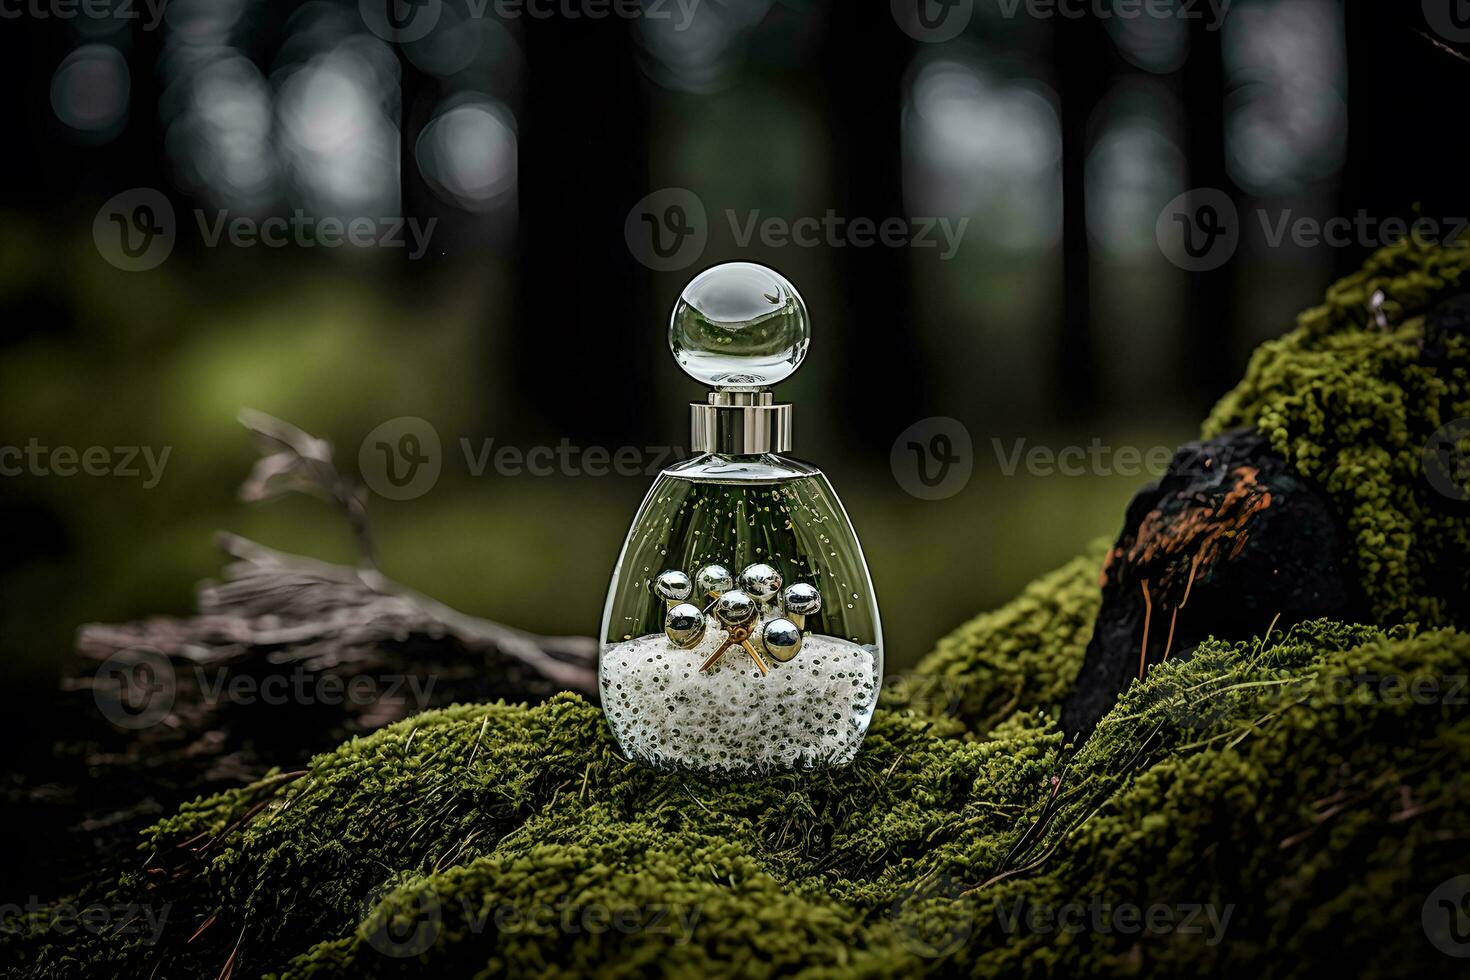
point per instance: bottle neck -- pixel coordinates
(744, 422)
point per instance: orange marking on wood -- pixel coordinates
(1148, 617)
(1172, 619)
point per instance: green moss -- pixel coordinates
(1353, 407)
(1259, 777)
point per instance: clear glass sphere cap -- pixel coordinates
(739, 325)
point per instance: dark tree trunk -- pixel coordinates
(1207, 333)
(1083, 66)
(585, 332)
(865, 72)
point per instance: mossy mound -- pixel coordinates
(1280, 788)
(1353, 407)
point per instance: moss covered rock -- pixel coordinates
(1353, 408)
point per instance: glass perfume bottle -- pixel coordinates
(741, 632)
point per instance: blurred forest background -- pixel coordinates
(530, 320)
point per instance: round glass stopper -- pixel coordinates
(739, 325)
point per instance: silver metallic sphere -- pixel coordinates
(684, 625)
(782, 639)
(802, 599)
(672, 586)
(761, 581)
(736, 608)
(713, 580)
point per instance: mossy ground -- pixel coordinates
(1277, 806)
(1281, 787)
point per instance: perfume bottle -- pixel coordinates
(741, 633)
